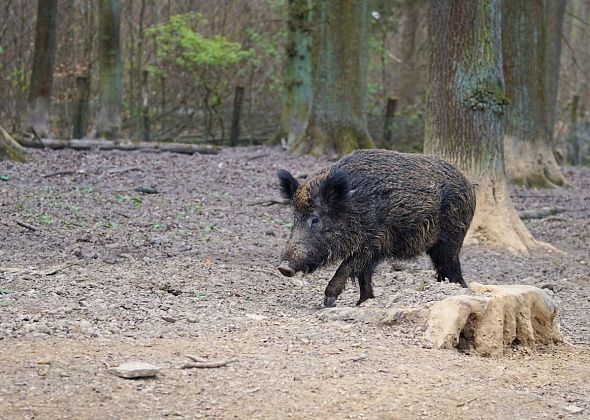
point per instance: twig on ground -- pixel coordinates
(26, 225)
(57, 269)
(123, 170)
(358, 358)
(208, 365)
(267, 202)
(257, 157)
(197, 359)
(70, 172)
(461, 404)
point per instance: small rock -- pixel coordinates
(169, 319)
(572, 409)
(37, 328)
(270, 233)
(147, 190)
(297, 282)
(132, 370)
(255, 317)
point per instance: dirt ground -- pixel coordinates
(112, 275)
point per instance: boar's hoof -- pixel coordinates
(330, 301)
(286, 270)
(361, 300)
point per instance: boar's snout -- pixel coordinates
(286, 269)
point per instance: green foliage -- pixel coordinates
(45, 219)
(269, 50)
(178, 43)
(18, 78)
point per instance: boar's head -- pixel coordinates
(319, 207)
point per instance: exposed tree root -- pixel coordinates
(10, 149)
(532, 165)
(496, 222)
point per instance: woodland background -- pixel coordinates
(246, 44)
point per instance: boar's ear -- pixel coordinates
(334, 190)
(288, 184)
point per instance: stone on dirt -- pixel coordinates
(573, 409)
(500, 316)
(132, 370)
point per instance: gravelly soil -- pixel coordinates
(113, 275)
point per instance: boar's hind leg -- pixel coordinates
(365, 283)
(338, 282)
(445, 258)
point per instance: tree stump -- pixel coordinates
(500, 317)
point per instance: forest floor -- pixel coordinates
(112, 275)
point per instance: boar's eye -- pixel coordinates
(313, 221)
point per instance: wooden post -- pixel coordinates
(388, 123)
(574, 131)
(234, 137)
(81, 114)
(145, 109)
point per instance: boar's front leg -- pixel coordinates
(338, 282)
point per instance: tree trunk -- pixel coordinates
(42, 73)
(409, 78)
(465, 103)
(388, 122)
(108, 120)
(555, 11)
(337, 124)
(234, 137)
(297, 74)
(527, 145)
(145, 107)
(81, 115)
(573, 134)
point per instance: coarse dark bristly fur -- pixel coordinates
(373, 205)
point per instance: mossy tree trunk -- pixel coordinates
(337, 123)
(108, 120)
(297, 74)
(528, 149)
(464, 120)
(42, 72)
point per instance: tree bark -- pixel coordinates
(297, 77)
(234, 137)
(337, 123)
(81, 115)
(465, 104)
(573, 134)
(388, 122)
(145, 107)
(409, 78)
(108, 121)
(527, 145)
(42, 72)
